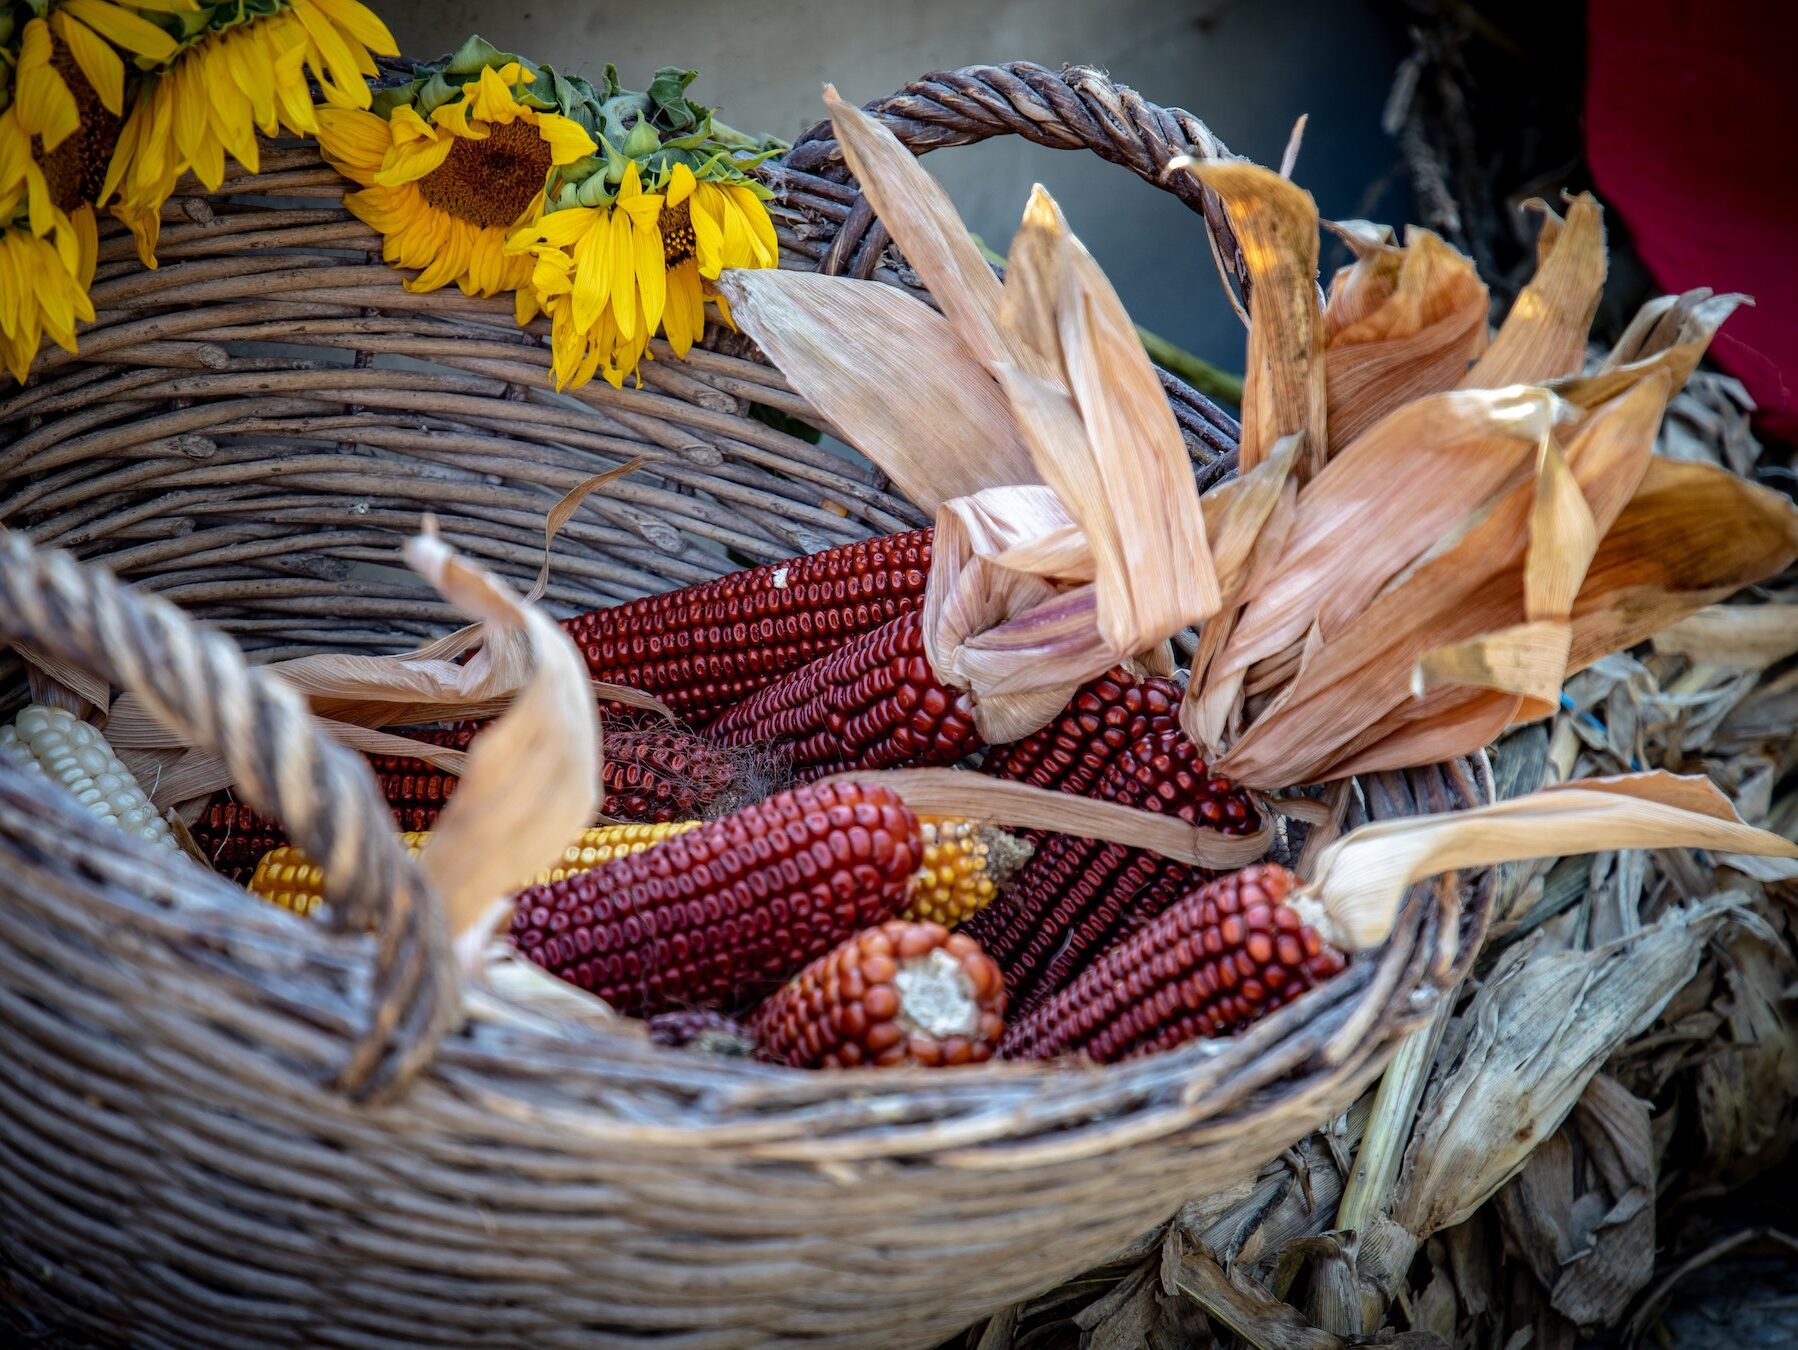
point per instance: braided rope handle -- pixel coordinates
(196, 682)
(1078, 108)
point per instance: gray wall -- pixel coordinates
(1248, 69)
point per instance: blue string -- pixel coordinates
(1594, 724)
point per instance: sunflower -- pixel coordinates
(610, 276)
(239, 67)
(56, 138)
(445, 190)
(43, 284)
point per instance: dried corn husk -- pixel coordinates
(1075, 538)
(1443, 573)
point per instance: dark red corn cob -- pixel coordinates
(1073, 897)
(1104, 719)
(703, 1029)
(705, 647)
(900, 994)
(650, 774)
(726, 912)
(874, 703)
(1224, 956)
(233, 838)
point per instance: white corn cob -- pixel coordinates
(12, 747)
(76, 755)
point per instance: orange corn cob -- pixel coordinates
(704, 647)
(874, 703)
(900, 994)
(293, 881)
(1226, 955)
(965, 866)
(727, 911)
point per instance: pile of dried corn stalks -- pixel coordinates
(1626, 1047)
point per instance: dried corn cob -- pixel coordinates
(1104, 719)
(874, 703)
(715, 1033)
(292, 880)
(1072, 898)
(900, 994)
(704, 647)
(655, 774)
(729, 910)
(75, 755)
(233, 837)
(659, 775)
(1226, 955)
(965, 865)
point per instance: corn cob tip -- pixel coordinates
(1221, 958)
(965, 866)
(703, 1029)
(900, 994)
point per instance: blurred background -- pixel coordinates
(1445, 113)
(1248, 70)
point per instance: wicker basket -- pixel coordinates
(222, 1126)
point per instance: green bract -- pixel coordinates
(657, 128)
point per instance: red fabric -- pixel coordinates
(1692, 135)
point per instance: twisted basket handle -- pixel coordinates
(1078, 109)
(196, 683)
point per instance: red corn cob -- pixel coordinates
(654, 775)
(1104, 719)
(233, 837)
(651, 774)
(900, 994)
(874, 703)
(725, 912)
(1224, 956)
(714, 1032)
(705, 647)
(1072, 898)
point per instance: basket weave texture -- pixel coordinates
(223, 1126)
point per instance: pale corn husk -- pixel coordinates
(532, 780)
(1069, 535)
(1429, 589)
(1353, 894)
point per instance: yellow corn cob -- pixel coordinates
(965, 866)
(73, 753)
(293, 881)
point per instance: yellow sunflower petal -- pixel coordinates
(291, 95)
(562, 229)
(453, 117)
(652, 274)
(330, 49)
(680, 185)
(87, 235)
(567, 139)
(353, 140)
(41, 97)
(761, 228)
(491, 100)
(594, 280)
(621, 266)
(98, 62)
(253, 72)
(684, 301)
(361, 23)
(708, 234)
(122, 28)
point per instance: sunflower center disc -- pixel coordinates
(76, 169)
(676, 225)
(490, 182)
